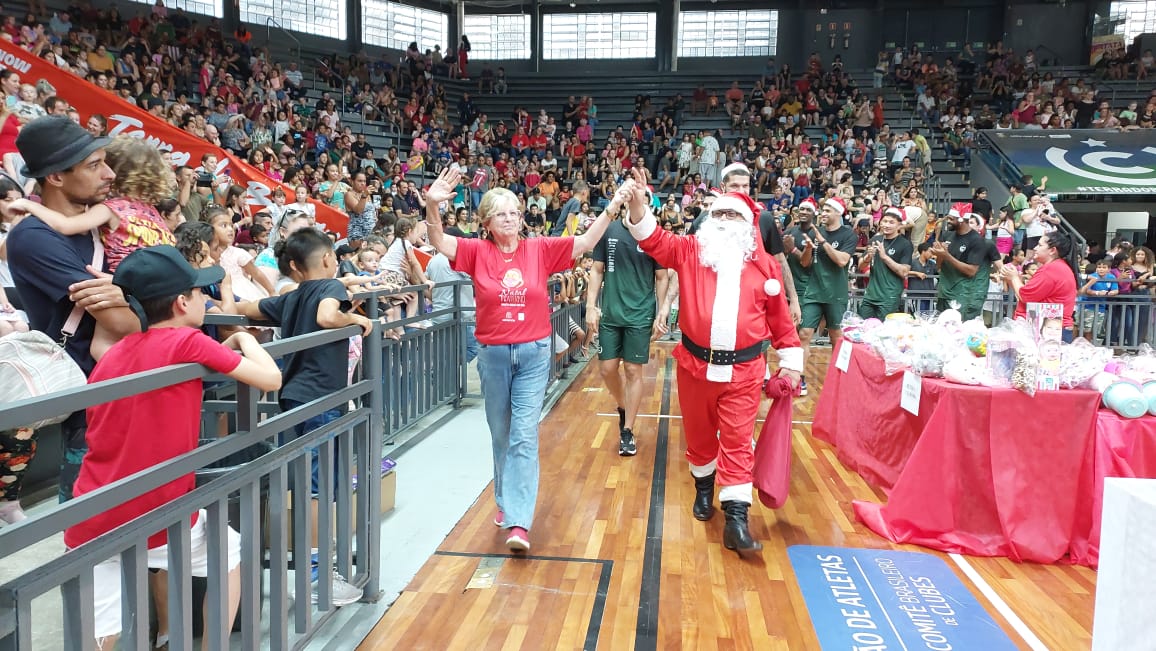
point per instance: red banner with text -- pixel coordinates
(124, 119)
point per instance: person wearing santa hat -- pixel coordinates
(732, 301)
(736, 177)
(960, 256)
(888, 256)
(797, 246)
(828, 289)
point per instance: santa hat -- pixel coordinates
(959, 210)
(809, 204)
(837, 204)
(735, 167)
(738, 202)
(896, 212)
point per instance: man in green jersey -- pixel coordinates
(963, 260)
(632, 285)
(828, 288)
(797, 244)
(888, 256)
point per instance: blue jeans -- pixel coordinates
(313, 423)
(471, 342)
(514, 378)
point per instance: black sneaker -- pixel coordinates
(626, 445)
(621, 419)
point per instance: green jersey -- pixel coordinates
(1016, 205)
(829, 281)
(885, 287)
(628, 298)
(799, 274)
(954, 286)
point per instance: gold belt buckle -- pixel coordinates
(710, 356)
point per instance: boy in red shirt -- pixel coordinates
(132, 434)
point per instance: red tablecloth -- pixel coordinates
(986, 472)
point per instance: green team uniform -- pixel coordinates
(799, 274)
(970, 293)
(628, 301)
(884, 293)
(828, 289)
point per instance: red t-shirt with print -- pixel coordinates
(513, 301)
(129, 435)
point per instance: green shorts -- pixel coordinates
(872, 311)
(833, 313)
(628, 343)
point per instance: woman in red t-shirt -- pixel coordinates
(1053, 282)
(513, 327)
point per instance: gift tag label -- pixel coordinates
(912, 391)
(844, 358)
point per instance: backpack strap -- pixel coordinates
(73, 321)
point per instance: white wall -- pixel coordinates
(1127, 221)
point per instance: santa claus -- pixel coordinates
(732, 301)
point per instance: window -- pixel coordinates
(728, 33)
(318, 17)
(598, 36)
(1133, 18)
(213, 8)
(504, 36)
(394, 25)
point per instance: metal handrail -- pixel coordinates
(270, 23)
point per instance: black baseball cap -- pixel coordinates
(52, 144)
(159, 271)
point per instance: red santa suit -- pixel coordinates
(732, 309)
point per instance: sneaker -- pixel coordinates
(342, 592)
(500, 519)
(802, 386)
(518, 540)
(626, 444)
(11, 513)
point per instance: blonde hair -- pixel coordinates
(488, 202)
(141, 171)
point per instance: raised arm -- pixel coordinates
(441, 190)
(586, 241)
(96, 216)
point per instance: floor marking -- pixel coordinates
(882, 608)
(661, 416)
(1018, 624)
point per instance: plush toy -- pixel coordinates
(949, 316)
(963, 369)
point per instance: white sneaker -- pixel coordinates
(342, 591)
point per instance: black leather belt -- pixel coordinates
(722, 357)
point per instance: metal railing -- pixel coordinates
(396, 383)
(270, 23)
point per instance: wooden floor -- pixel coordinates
(601, 517)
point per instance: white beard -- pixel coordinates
(725, 243)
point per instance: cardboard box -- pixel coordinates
(1047, 321)
(388, 487)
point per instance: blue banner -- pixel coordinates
(876, 599)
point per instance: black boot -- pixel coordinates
(737, 533)
(703, 508)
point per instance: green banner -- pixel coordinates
(1083, 161)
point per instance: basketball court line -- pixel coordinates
(757, 420)
(1018, 624)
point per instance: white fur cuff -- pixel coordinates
(703, 471)
(645, 227)
(739, 493)
(791, 359)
